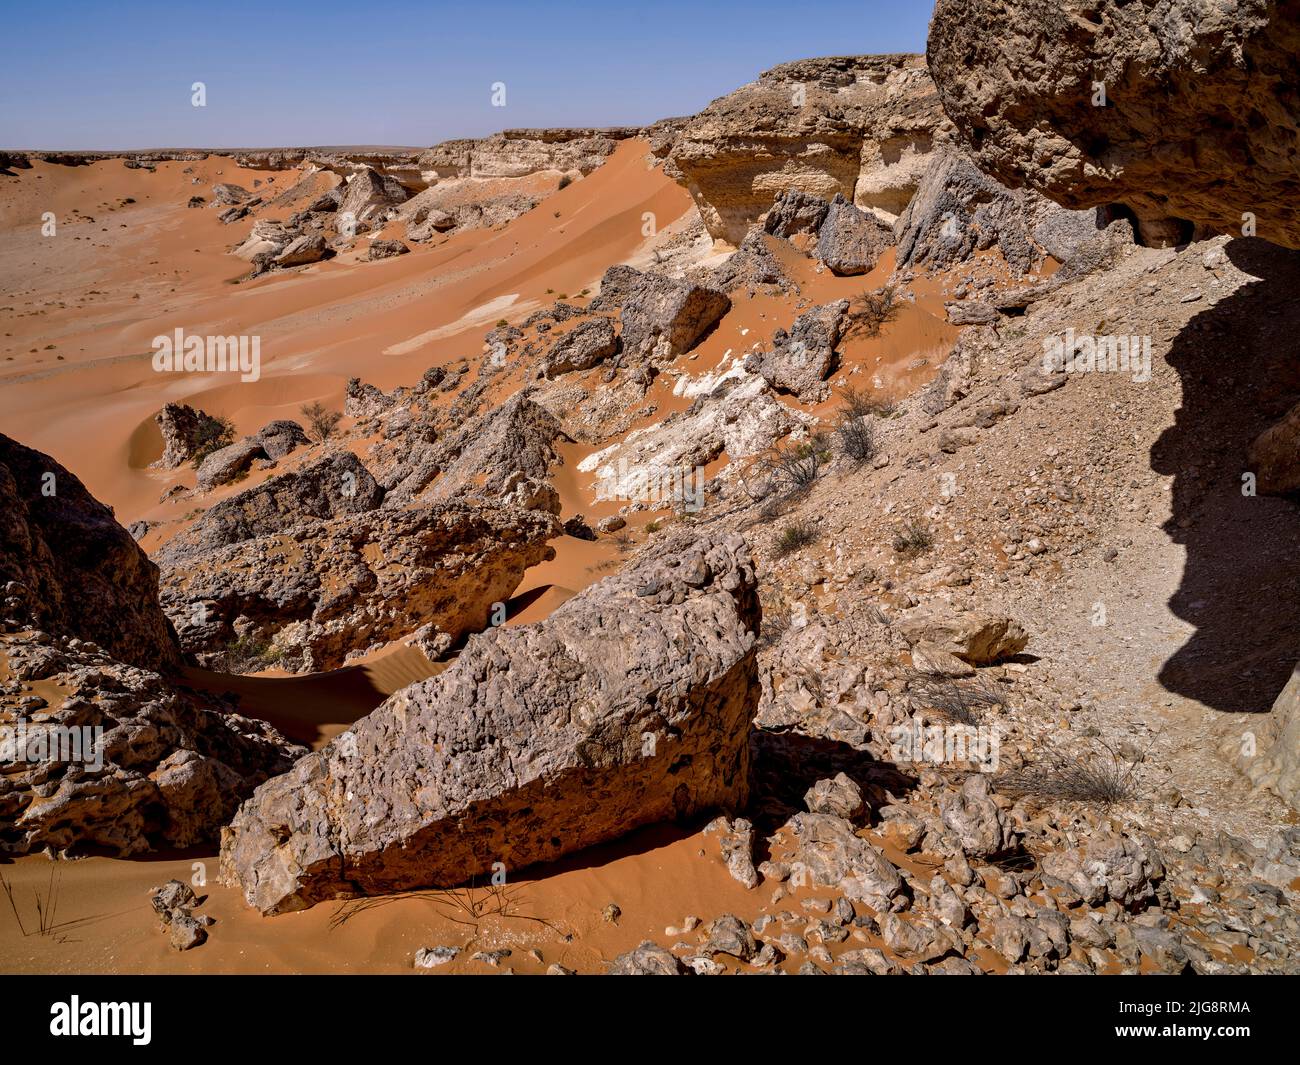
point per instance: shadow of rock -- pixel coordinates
(1240, 373)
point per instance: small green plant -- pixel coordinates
(913, 539)
(654, 526)
(250, 654)
(212, 435)
(321, 420)
(856, 437)
(798, 534)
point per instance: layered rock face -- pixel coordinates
(74, 569)
(308, 567)
(629, 705)
(860, 126)
(1199, 123)
(520, 152)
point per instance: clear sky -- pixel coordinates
(117, 74)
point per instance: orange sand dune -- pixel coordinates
(145, 268)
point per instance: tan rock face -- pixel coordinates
(629, 705)
(861, 126)
(971, 637)
(1277, 767)
(76, 571)
(317, 592)
(1201, 115)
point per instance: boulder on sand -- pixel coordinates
(629, 705)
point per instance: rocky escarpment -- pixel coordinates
(519, 152)
(1186, 113)
(67, 566)
(860, 126)
(629, 705)
(100, 750)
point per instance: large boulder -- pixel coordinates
(307, 595)
(801, 360)
(629, 705)
(850, 241)
(958, 210)
(664, 317)
(369, 194)
(74, 570)
(1199, 122)
(972, 636)
(589, 342)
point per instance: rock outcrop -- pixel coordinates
(1186, 113)
(958, 210)
(860, 126)
(802, 359)
(67, 566)
(664, 317)
(184, 430)
(123, 762)
(629, 705)
(849, 240)
(308, 595)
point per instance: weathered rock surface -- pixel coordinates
(308, 595)
(665, 316)
(975, 638)
(850, 240)
(859, 126)
(1277, 767)
(629, 705)
(123, 762)
(74, 570)
(1201, 115)
(332, 486)
(958, 210)
(802, 359)
(369, 194)
(183, 429)
(589, 342)
(489, 457)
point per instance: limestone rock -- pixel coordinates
(850, 240)
(1192, 92)
(664, 317)
(973, 637)
(76, 571)
(183, 430)
(628, 705)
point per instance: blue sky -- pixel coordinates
(115, 75)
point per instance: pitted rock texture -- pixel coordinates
(1201, 115)
(183, 429)
(75, 570)
(958, 211)
(629, 705)
(307, 596)
(861, 126)
(168, 767)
